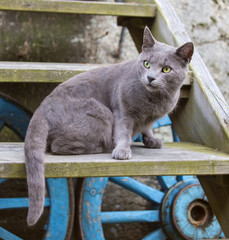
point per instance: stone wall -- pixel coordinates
(207, 22)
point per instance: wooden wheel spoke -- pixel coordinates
(2, 123)
(2, 180)
(166, 181)
(139, 188)
(158, 234)
(183, 178)
(130, 216)
(9, 203)
(4, 234)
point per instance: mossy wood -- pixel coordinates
(173, 159)
(41, 72)
(218, 187)
(204, 118)
(53, 73)
(81, 7)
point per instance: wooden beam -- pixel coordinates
(41, 72)
(28, 72)
(205, 117)
(81, 7)
(173, 159)
(135, 22)
(136, 25)
(46, 72)
(217, 190)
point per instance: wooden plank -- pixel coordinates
(81, 7)
(47, 72)
(204, 118)
(41, 72)
(217, 190)
(173, 159)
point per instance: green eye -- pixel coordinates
(146, 64)
(166, 69)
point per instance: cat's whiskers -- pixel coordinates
(167, 93)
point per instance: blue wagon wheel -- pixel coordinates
(180, 210)
(59, 205)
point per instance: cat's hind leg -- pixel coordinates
(90, 131)
(67, 146)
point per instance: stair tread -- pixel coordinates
(47, 66)
(174, 159)
(81, 7)
(45, 72)
(41, 72)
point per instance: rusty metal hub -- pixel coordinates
(200, 213)
(186, 213)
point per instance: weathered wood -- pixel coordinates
(173, 159)
(135, 27)
(53, 73)
(41, 72)
(217, 190)
(81, 7)
(134, 22)
(205, 117)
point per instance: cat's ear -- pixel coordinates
(148, 39)
(186, 51)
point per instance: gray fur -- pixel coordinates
(102, 109)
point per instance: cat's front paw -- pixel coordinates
(152, 142)
(121, 153)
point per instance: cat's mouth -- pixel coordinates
(154, 86)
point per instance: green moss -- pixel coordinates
(213, 19)
(216, 1)
(42, 37)
(7, 135)
(202, 24)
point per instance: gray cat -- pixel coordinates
(103, 109)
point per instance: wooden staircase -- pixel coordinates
(202, 118)
(127, 9)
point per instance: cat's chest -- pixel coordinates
(150, 112)
(154, 110)
(146, 108)
(150, 115)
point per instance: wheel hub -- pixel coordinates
(200, 213)
(186, 213)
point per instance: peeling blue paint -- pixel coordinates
(17, 119)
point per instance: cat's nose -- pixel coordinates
(151, 77)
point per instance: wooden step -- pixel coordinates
(41, 72)
(173, 159)
(81, 7)
(47, 72)
(53, 73)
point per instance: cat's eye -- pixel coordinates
(166, 69)
(146, 64)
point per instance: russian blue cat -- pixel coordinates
(102, 109)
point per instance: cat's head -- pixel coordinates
(163, 66)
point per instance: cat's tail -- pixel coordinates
(35, 145)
